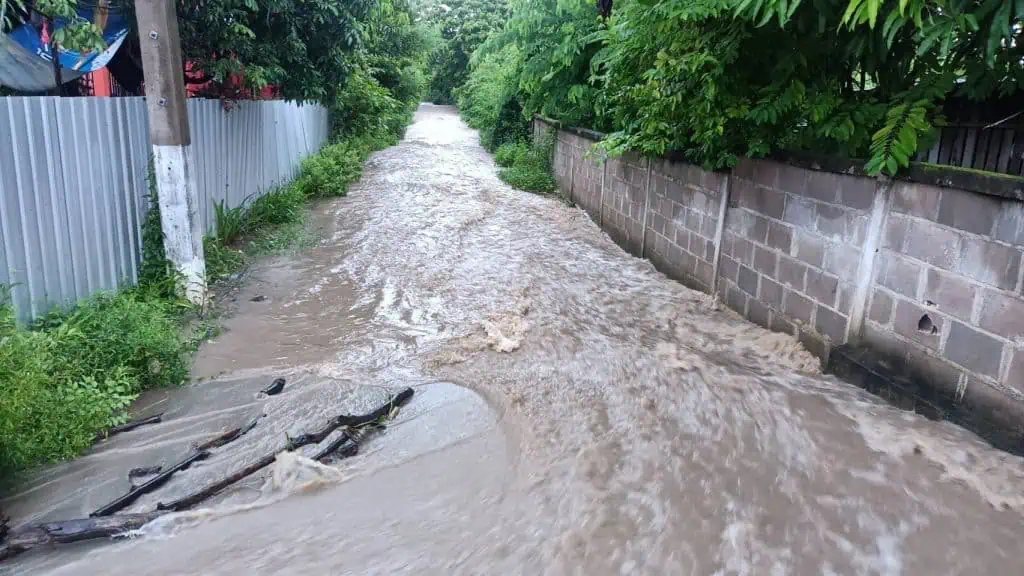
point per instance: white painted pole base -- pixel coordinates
(179, 217)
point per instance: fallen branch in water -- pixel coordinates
(144, 471)
(275, 387)
(132, 425)
(157, 481)
(68, 531)
(200, 452)
(299, 441)
(349, 442)
(227, 437)
(106, 526)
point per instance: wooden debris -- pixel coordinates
(294, 443)
(67, 531)
(132, 425)
(275, 387)
(105, 524)
(349, 442)
(156, 482)
(144, 471)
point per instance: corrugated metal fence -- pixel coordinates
(73, 183)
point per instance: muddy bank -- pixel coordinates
(576, 412)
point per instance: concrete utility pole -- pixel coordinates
(173, 160)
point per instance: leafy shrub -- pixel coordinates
(507, 153)
(328, 174)
(531, 169)
(74, 373)
(365, 109)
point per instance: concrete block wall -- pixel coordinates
(682, 222)
(792, 247)
(946, 298)
(928, 278)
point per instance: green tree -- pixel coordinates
(463, 26)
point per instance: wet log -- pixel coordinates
(67, 531)
(275, 387)
(348, 443)
(156, 482)
(294, 443)
(144, 471)
(228, 436)
(132, 425)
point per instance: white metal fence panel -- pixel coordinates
(73, 183)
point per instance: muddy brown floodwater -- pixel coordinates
(576, 413)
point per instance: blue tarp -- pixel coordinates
(26, 62)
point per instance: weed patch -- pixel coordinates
(74, 373)
(528, 167)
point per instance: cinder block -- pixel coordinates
(764, 261)
(830, 323)
(974, 350)
(934, 245)
(708, 226)
(846, 290)
(693, 220)
(771, 293)
(898, 274)
(917, 324)
(881, 307)
(747, 280)
(918, 200)
(757, 312)
(991, 263)
(736, 300)
(709, 250)
(792, 179)
(822, 287)
(951, 294)
(823, 186)
(763, 172)
(1015, 374)
(1002, 314)
(809, 249)
(792, 273)
(797, 306)
(704, 272)
(799, 212)
(842, 260)
(757, 230)
(780, 236)
(856, 228)
(968, 211)
(857, 192)
(1010, 223)
(743, 250)
(831, 222)
(895, 232)
(728, 268)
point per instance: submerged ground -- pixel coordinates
(576, 412)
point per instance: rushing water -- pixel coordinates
(576, 412)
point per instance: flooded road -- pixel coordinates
(576, 413)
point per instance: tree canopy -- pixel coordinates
(713, 79)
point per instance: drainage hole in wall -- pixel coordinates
(926, 325)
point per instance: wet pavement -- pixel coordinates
(576, 413)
